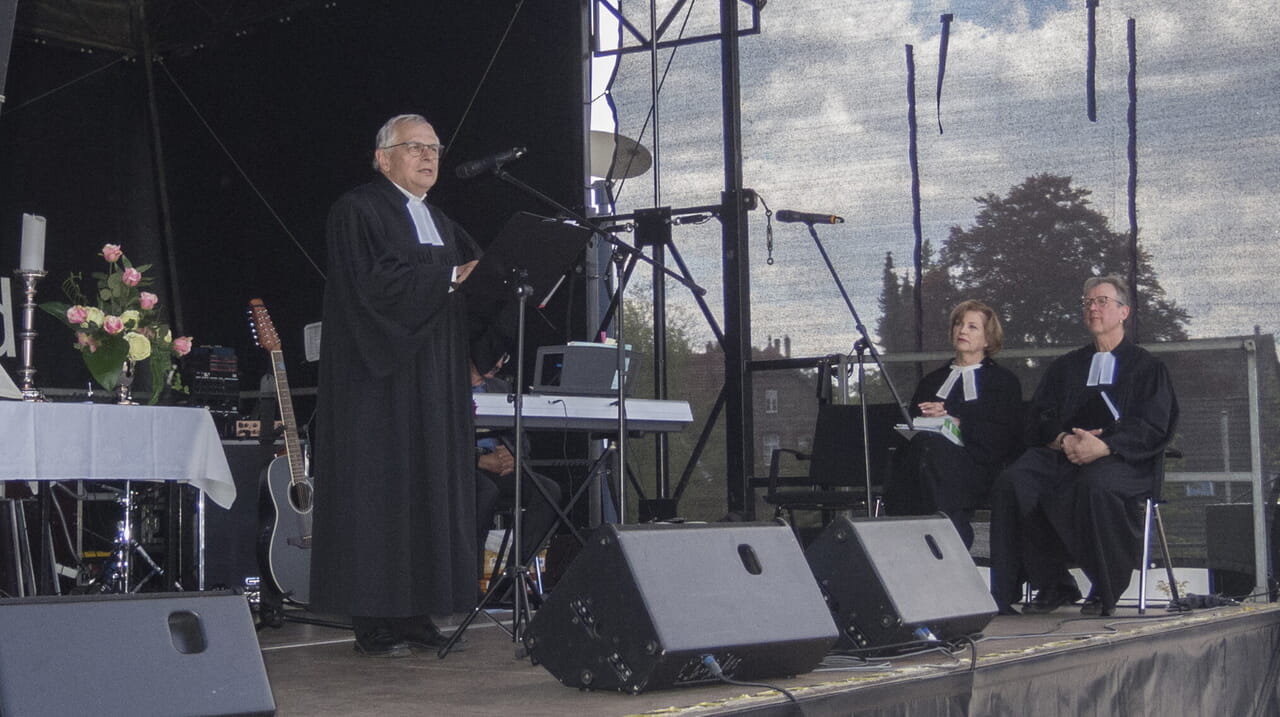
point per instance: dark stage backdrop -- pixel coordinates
(293, 106)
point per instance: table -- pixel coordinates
(107, 442)
(85, 441)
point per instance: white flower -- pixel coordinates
(139, 346)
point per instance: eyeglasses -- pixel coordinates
(1102, 302)
(418, 149)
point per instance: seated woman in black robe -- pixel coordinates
(984, 401)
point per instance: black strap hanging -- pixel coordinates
(1091, 67)
(942, 63)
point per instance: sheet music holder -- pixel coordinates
(542, 247)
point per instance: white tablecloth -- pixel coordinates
(74, 441)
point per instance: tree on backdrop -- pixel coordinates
(896, 326)
(687, 379)
(1026, 255)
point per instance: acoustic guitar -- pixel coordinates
(284, 544)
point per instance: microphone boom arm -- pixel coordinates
(626, 248)
(864, 340)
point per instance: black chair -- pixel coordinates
(836, 480)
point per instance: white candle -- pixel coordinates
(32, 243)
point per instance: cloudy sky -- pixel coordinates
(825, 129)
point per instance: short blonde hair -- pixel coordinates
(991, 322)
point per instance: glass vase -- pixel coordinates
(124, 392)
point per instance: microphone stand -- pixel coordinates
(516, 571)
(621, 248)
(863, 342)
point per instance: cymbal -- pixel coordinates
(628, 157)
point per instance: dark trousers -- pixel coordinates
(1047, 513)
(932, 474)
(494, 492)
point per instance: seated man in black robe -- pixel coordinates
(1100, 421)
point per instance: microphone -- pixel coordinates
(786, 215)
(475, 167)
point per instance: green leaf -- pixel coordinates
(159, 369)
(57, 308)
(105, 363)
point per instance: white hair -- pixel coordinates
(388, 132)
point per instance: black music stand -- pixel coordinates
(529, 258)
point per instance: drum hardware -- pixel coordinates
(125, 545)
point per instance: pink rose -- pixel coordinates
(182, 345)
(148, 300)
(131, 277)
(112, 253)
(113, 325)
(82, 339)
(77, 315)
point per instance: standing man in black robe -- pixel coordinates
(1100, 421)
(394, 524)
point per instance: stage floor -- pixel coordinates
(1023, 661)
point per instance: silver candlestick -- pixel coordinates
(28, 333)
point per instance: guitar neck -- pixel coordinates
(291, 444)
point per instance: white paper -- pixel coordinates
(311, 341)
(32, 243)
(942, 425)
(8, 389)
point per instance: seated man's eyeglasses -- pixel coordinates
(1102, 302)
(418, 149)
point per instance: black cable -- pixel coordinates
(714, 667)
(661, 82)
(66, 533)
(10, 110)
(243, 174)
(768, 229)
(973, 648)
(493, 58)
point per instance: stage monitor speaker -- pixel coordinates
(161, 654)
(643, 604)
(1229, 548)
(896, 581)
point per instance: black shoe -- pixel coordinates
(1007, 609)
(431, 639)
(1093, 607)
(381, 643)
(1051, 599)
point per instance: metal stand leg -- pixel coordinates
(21, 568)
(124, 549)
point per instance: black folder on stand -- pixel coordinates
(532, 249)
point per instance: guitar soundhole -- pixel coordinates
(300, 496)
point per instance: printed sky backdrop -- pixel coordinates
(824, 105)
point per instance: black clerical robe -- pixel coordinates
(932, 473)
(394, 524)
(1048, 512)
(1141, 393)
